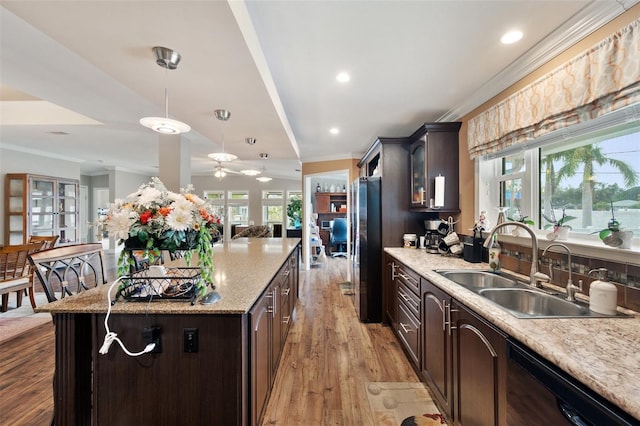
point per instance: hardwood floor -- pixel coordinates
(329, 356)
(327, 359)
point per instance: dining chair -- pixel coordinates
(14, 271)
(49, 241)
(68, 270)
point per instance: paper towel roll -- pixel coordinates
(439, 201)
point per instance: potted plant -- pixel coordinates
(519, 217)
(614, 235)
(294, 212)
(560, 228)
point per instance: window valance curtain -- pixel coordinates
(600, 80)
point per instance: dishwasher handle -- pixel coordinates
(570, 413)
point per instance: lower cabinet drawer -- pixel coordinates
(410, 300)
(408, 332)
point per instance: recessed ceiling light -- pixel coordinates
(263, 179)
(511, 37)
(334, 130)
(343, 77)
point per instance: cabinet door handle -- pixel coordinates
(285, 320)
(286, 273)
(393, 271)
(444, 315)
(286, 291)
(449, 323)
(405, 328)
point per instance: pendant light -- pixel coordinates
(222, 115)
(167, 59)
(264, 156)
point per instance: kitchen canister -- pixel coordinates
(409, 240)
(603, 296)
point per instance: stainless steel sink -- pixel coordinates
(518, 298)
(530, 303)
(476, 280)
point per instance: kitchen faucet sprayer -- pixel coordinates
(534, 275)
(571, 289)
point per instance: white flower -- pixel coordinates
(183, 205)
(119, 223)
(149, 196)
(180, 219)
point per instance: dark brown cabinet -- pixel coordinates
(436, 337)
(409, 315)
(480, 370)
(433, 153)
(460, 355)
(390, 292)
(271, 318)
(261, 320)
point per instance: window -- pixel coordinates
(591, 179)
(272, 209)
(238, 207)
(588, 174)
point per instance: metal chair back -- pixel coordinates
(68, 270)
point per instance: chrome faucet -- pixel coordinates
(534, 275)
(571, 289)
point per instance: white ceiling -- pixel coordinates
(271, 63)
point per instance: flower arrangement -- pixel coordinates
(154, 219)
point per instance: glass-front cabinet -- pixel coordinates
(41, 205)
(434, 168)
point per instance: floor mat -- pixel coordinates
(402, 404)
(346, 288)
(20, 319)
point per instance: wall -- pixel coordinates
(467, 166)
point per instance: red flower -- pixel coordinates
(164, 211)
(145, 217)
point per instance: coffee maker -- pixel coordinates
(432, 236)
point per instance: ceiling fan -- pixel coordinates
(220, 172)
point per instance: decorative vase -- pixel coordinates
(619, 239)
(562, 232)
(501, 219)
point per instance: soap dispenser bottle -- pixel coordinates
(494, 254)
(603, 296)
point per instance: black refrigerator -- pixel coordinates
(367, 257)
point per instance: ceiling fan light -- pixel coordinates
(222, 157)
(220, 173)
(264, 179)
(164, 125)
(250, 172)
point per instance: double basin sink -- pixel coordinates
(519, 298)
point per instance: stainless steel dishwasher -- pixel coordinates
(539, 393)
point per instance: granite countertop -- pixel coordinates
(243, 269)
(602, 353)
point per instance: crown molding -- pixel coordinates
(583, 23)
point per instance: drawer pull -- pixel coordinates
(405, 328)
(286, 291)
(404, 297)
(285, 320)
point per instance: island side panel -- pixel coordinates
(72, 383)
(173, 387)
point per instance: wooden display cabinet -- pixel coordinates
(43, 206)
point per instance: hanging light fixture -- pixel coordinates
(167, 59)
(222, 115)
(264, 156)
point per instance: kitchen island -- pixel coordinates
(213, 364)
(600, 353)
